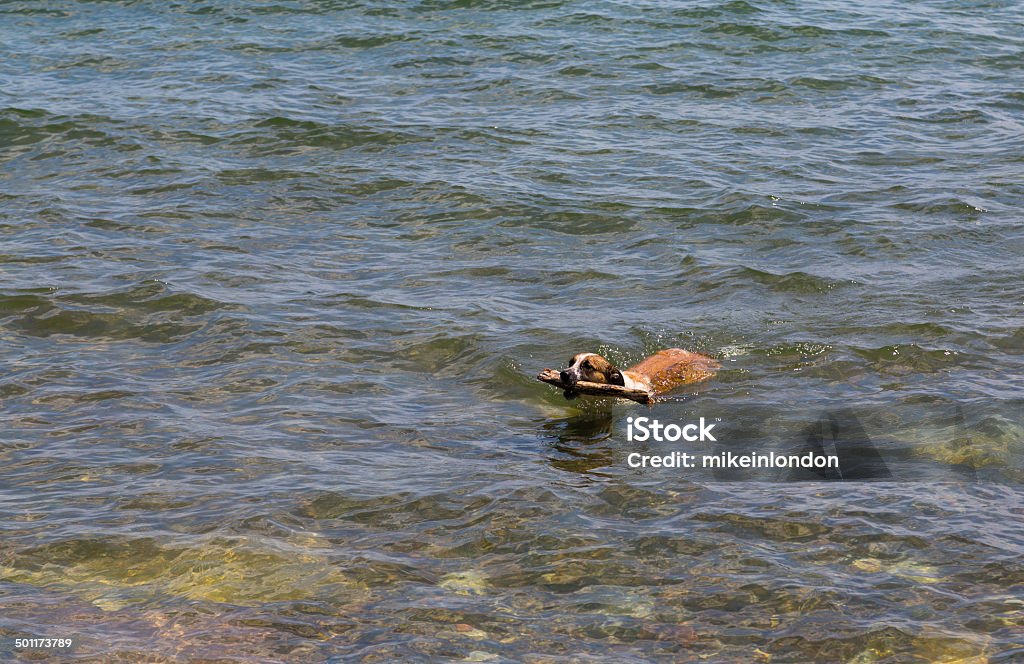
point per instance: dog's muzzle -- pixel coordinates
(567, 377)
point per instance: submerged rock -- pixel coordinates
(465, 583)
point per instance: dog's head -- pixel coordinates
(591, 367)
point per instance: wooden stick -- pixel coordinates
(551, 377)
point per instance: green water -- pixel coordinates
(276, 279)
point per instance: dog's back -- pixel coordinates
(668, 369)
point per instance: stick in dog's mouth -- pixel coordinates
(552, 377)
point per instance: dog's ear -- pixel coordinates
(615, 378)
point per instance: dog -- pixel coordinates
(662, 372)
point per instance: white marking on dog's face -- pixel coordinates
(591, 367)
(575, 370)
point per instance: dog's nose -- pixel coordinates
(566, 377)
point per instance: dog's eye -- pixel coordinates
(586, 364)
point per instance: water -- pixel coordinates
(275, 280)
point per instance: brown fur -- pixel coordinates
(670, 368)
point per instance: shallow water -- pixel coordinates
(276, 278)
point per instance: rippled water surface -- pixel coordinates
(276, 278)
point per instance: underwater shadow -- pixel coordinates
(582, 443)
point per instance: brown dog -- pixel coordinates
(662, 372)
